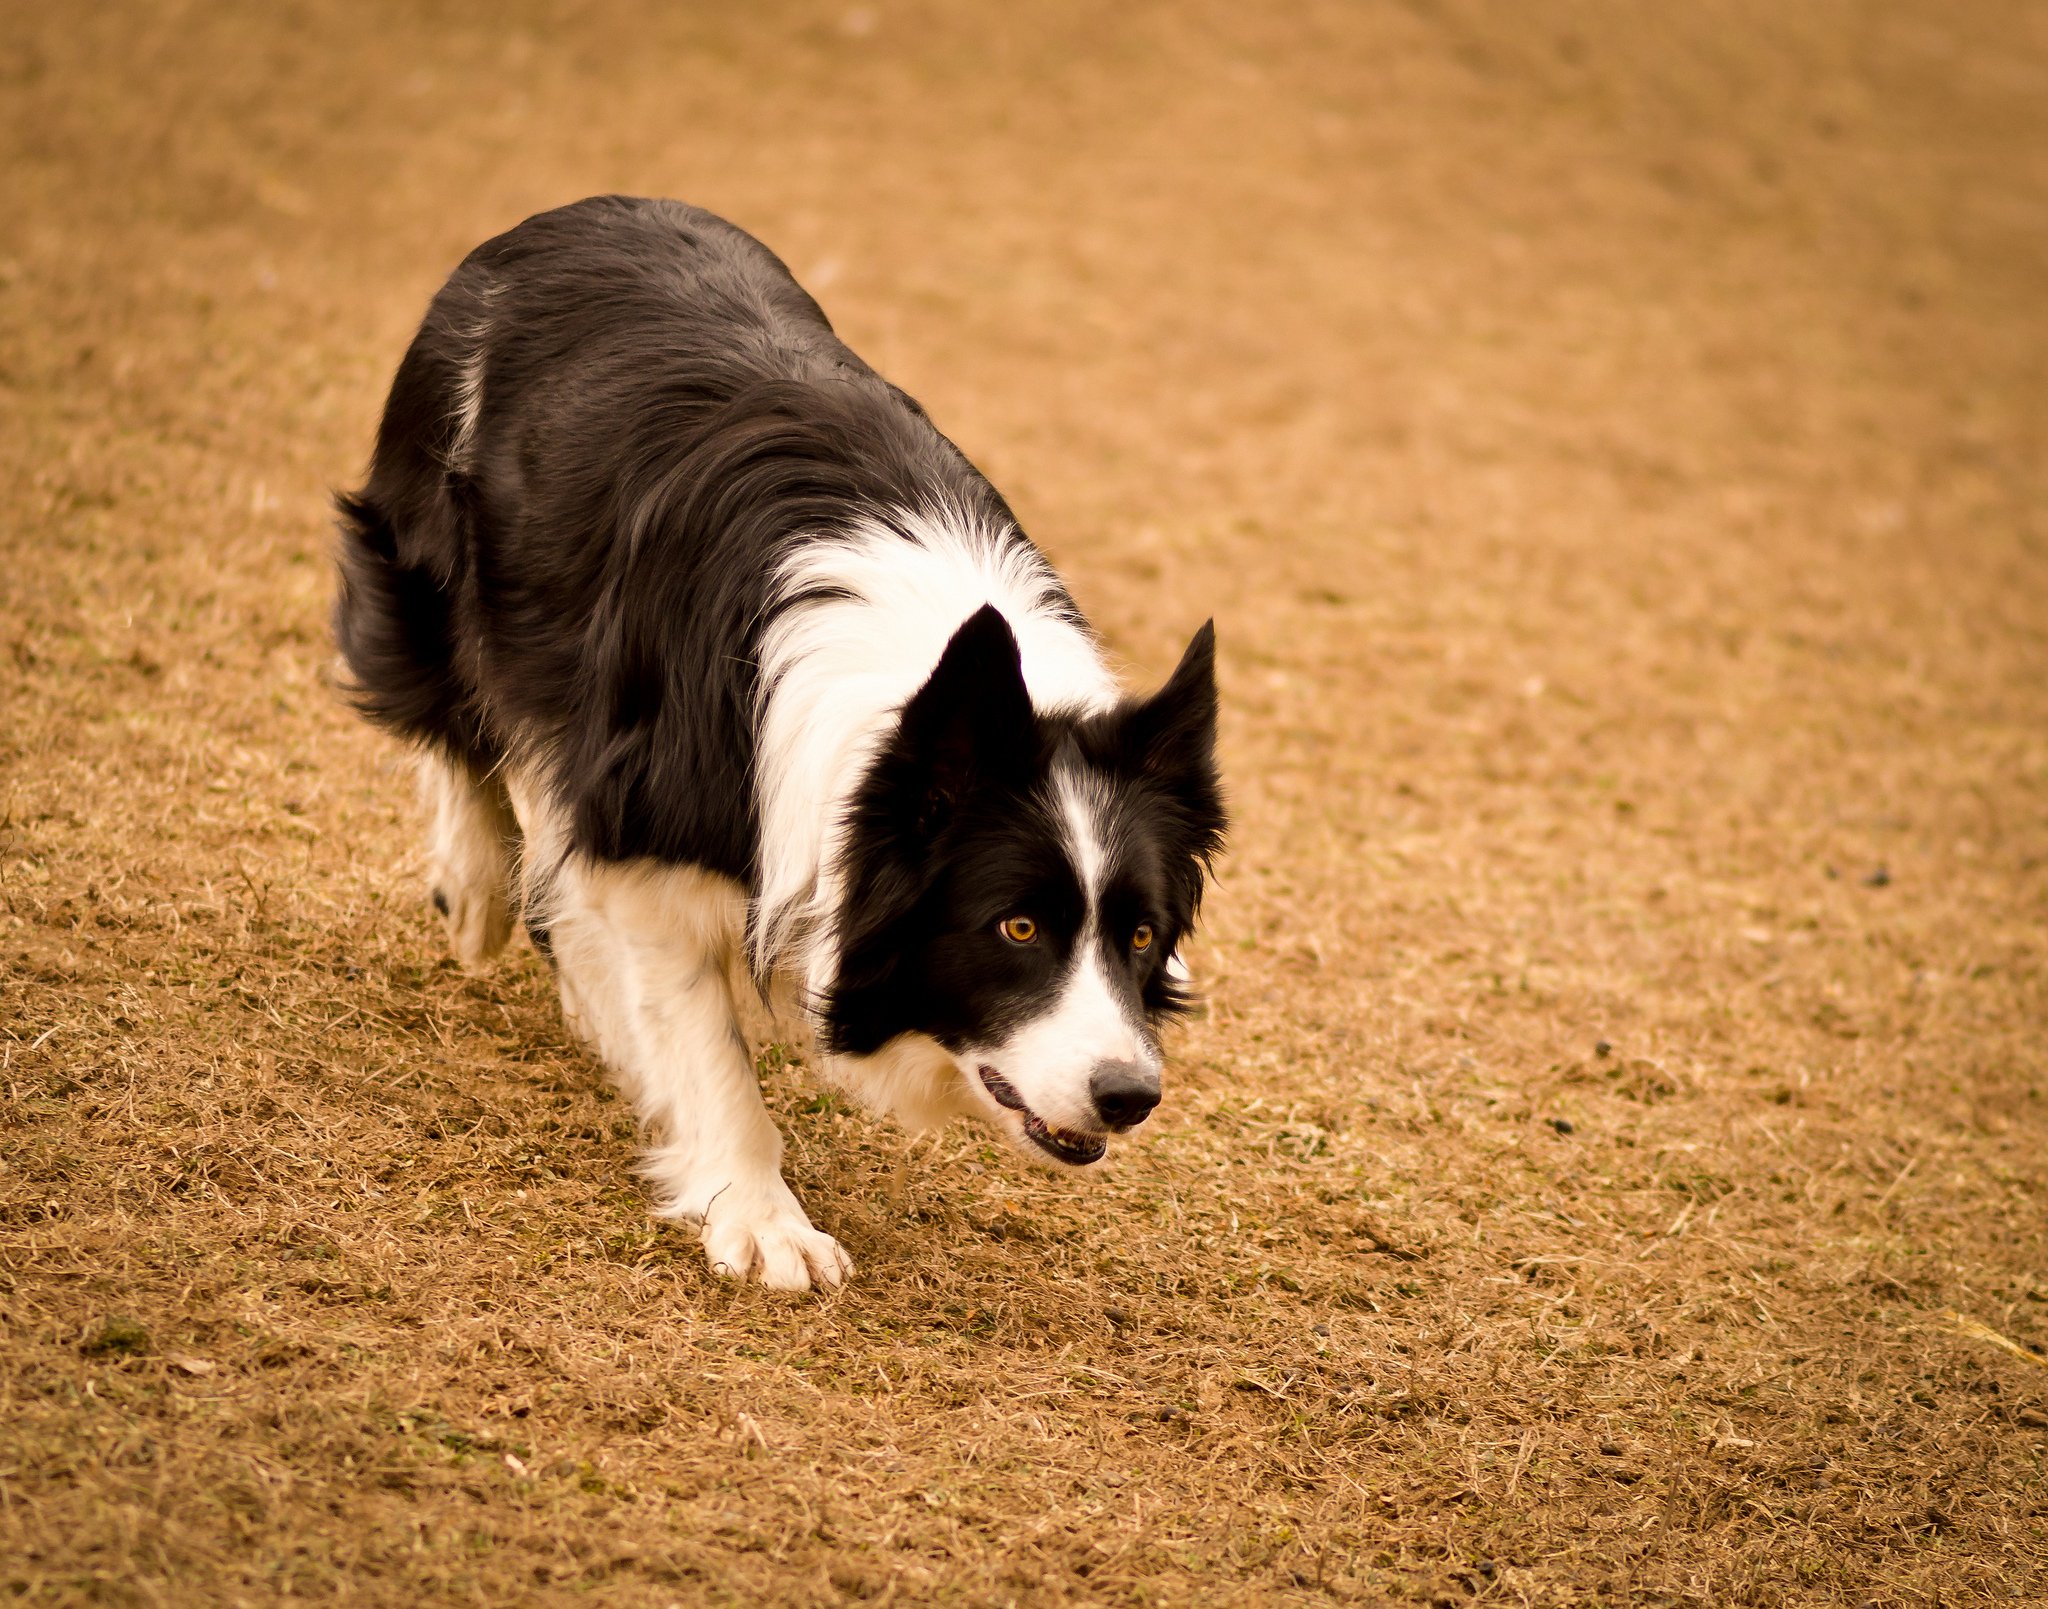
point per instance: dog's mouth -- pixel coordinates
(1062, 1145)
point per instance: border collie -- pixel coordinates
(712, 646)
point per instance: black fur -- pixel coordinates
(663, 411)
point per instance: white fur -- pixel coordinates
(644, 954)
(836, 670)
(913, 1079)
(1084, 812)
(468, 857)
(469, 382)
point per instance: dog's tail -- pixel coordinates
(393, 624)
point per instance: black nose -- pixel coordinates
(1124, 1093)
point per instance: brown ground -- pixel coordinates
(1614, 442)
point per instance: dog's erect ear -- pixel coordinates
(969, 724)
(969, 727)
(1173, 733)
(1169, 739)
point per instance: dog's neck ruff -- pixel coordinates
(860, 620)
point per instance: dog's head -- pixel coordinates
(1017, 885)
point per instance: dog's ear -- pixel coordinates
(969, 725)
(1173, 733)
(1169, 739)
(968, 728)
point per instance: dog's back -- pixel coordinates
(613, 424)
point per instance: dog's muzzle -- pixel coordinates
(1062, 1145)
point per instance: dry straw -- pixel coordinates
(1609, 440)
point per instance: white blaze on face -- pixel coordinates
(1050, 1058)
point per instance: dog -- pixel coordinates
(714, 648)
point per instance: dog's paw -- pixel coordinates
(479, 919)
(781, 1251)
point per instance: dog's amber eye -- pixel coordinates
(1142, 939)
(1020, 930)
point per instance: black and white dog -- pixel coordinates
(710, 640)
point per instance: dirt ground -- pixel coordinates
(1613, 1164)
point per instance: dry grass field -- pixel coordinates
(1612, 1167)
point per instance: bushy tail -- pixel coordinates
(393, 624)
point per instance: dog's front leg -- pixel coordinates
(644, 954)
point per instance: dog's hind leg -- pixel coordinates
(471, 836)
(643, 954)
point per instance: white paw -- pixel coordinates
(478, 917)
(781, 1250)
